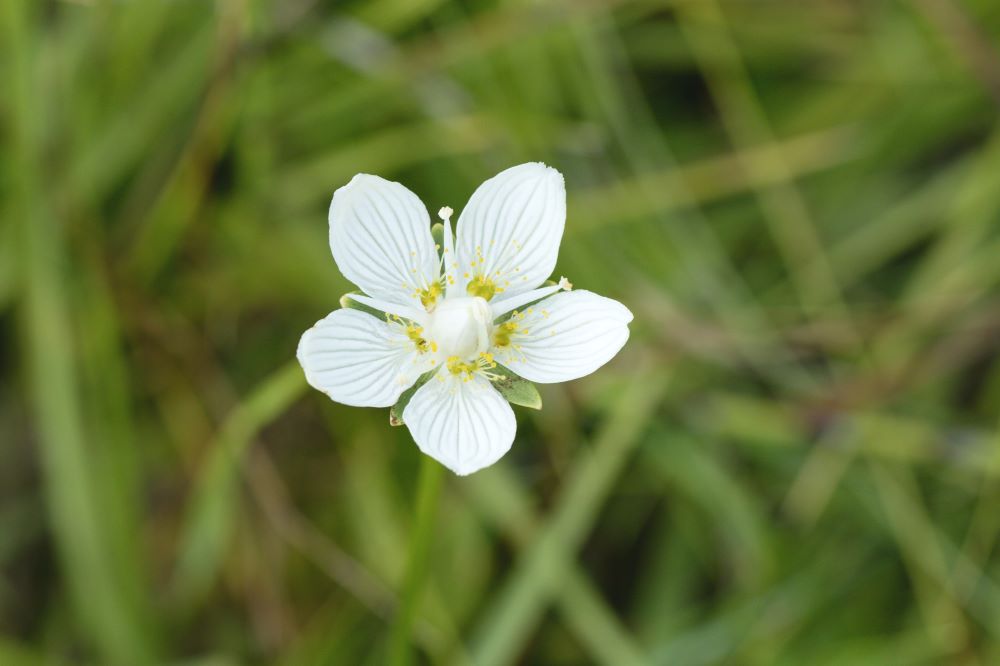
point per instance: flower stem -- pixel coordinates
(428, 489)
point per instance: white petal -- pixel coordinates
(464, 425)
(360, 360)
(567, 336)
(381, 239)
(511, 228)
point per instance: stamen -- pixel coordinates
(429, 296)
(482, 287)
(458, 367)
(503, 332)
(447, 278)
(504, 306)
(390, 308)
(467, 369)
(413, 332)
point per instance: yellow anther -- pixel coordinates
(466, 369)
(482, 286)
(429, 296)
(501, 336)
(415, 333)
(457, 366)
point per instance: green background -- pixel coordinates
(793, 461)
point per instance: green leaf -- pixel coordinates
(396, 411)
(515, 389)
(347, 302)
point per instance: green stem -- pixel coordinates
(428, 489)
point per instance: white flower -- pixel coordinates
(459, 313)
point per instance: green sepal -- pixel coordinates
(396, 411)
(437, 233)
(347, 302)
(516, 389)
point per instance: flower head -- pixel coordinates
(466, 323)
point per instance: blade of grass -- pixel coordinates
(502, 500)
(708, 180)
(425, 510)
(17, 654)
(944, 618)
(618, 100)
(785, 209)
(539, 571)
(209, 520)
(967, 39)
(99, 596)
(112, 153)
(8, 266)
(891, 437)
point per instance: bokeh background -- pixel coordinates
(794, 460)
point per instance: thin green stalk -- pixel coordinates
(428, 490)
(209, 522)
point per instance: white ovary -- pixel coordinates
(461, 327)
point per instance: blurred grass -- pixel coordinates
(795, 460)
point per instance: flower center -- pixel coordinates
(461, 327)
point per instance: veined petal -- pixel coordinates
(509, 233)
(360, 360)
(381, 239)
(464, 425)
(564, 337)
